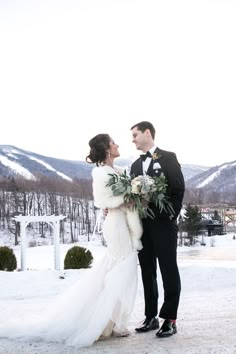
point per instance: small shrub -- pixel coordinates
(7, 259)
(78, 257)
(32, 243)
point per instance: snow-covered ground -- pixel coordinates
(207, 312)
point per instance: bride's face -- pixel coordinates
(114, 149)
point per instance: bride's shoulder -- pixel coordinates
(101, 171)
(119, 169)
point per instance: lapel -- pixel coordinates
(138, 167)
(150, 170)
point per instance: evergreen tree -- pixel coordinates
(191, 222)
(217, 216)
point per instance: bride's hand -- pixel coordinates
(105, 211)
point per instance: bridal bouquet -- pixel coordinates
(141, 190)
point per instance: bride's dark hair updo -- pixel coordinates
(98, 148)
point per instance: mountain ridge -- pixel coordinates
(216, 184)
(16, 161)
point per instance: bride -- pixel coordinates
(100, 303)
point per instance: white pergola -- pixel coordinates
(52, 220)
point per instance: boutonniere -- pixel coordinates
(156, 156)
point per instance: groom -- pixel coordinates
(159, 237)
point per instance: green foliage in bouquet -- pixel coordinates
(141, 190)
(120, 183)
(7, 259)
(78, 257)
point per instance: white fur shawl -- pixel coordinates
(104, 198)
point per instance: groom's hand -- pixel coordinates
(144, 203)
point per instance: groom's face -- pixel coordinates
(139, 138)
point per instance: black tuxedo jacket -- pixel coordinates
(166, 162)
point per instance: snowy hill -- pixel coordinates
(220, 178)
(190, 171)
(29, 165)
(216, 184)
(15, 161)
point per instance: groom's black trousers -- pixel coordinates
(160, 243)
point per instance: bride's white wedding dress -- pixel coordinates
(102, 300)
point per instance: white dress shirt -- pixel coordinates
(147, 162)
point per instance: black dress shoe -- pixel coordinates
(148, 324)
(167, 329)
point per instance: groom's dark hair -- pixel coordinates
(142, 126)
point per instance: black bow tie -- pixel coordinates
(144, 156)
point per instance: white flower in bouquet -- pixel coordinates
(142, 189)
(143, 186)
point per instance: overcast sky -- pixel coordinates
(71, 69)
